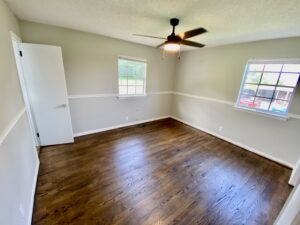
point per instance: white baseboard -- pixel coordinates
(251, 149)
(118, 126)
(33, 192)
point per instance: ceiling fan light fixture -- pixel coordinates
(172, 47)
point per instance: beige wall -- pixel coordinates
(217, 73)
(91, 68)
(11, 101)
(18, 158)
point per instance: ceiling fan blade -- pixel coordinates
(148, 36)
(158, 46)
(191, 43)
(192, 33)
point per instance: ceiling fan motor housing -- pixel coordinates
(174, 22)
(173, 39)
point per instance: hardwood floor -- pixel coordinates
(161, 173)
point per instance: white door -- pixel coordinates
(44, 75)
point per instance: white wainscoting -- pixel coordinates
(21, 166)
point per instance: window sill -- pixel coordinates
(124, 97)
(253, 111)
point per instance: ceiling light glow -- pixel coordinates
(172, 47)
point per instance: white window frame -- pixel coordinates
(145, 77)
(261, 111)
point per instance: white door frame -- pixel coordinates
(295, 177)
(15, 43)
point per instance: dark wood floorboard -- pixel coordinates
(161, 173)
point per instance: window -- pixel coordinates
(132, 77)
(268, 86)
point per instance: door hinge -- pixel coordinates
(21, 53)
(38, 134)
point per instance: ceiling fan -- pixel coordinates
(173, 41)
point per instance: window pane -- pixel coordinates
(132, 75)
(130, 69)
(273, 67)
(291, 68)
(131, 81)
(131, 90)
(265, 91)
(139, 82)
(122, 80)
(256, 67)
(262, 103)
(253, 77)
(139, 90)
(270, 78)
(249, 89)
(269, 87)
(122, 90)
(122, 67)
(279, 106)
(247, 101)
(283, 93)
(289, 79)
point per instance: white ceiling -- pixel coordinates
(228, 21)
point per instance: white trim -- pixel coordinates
(11, 125)
(295, 116)
(275, 61)
(290, 115)
(132, 58)
(295, 176)
(124, 97)
(118, 126)
(92, 95)
(290, 210)
(266, 114)
(32, 197)
(204, 98)
(15, 37)
(115, 95)
(160, 93)
(16, 41)
(251, 149)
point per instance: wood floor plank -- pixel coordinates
(162, 172)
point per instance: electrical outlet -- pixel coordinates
(21, 209)
(220, 128)
(126, 118)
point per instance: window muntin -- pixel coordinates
(132, 76)
(268, 87)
